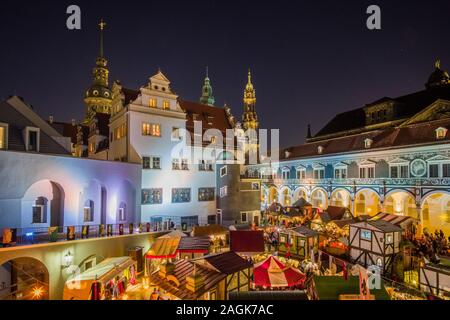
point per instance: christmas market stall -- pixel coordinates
(247, 242)
(107, 280)
(331, 214)
(375, 243)
(300, 211)
(407, 223)
(271, 273)
(217, 234)
(298, 241)
(211, 278)
(275, 214)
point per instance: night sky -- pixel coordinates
(309, 59)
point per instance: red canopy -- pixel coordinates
(272, 273)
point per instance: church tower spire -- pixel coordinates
(249, 117)
(207, 94)
(98, 96)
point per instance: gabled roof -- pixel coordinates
(228, 262)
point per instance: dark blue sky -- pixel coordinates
(310, 59)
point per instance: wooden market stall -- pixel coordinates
(298, 241)
(93, 283)
(375, 243)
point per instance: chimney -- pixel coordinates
(74, 122)
(166, 269)
(194, 281)
(50, 119)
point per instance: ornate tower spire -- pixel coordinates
(207, 94)
(308, 132)
(249, 117)
(98, 95)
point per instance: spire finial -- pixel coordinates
(102, 26)
(308, 133)
(207, 72)
(437, 64)
(249, 76)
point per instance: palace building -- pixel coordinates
(391, 155)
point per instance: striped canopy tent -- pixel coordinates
(274, 274)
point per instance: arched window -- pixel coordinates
(88, 211)
(122, 211)
(40, 210)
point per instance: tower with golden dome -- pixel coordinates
(98, 96)
(249, 117)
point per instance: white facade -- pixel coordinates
(65, 184)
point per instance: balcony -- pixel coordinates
(423, 182)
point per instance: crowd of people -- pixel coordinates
(432, 245)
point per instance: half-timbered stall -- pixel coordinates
(210, 278)
(435, 280)
(331, 214)
(375, 243)
(298, 241)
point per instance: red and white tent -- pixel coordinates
(272, 273)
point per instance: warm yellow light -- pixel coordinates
(38, 292)
(125, 297)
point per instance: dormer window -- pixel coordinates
(32, 139)
(441, 132)
(285, 172)
(320, 149)
(368, 143)
(287, 154)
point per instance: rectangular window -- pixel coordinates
(223, 171)
(223, 191)
(176, 134)
(389, 238)
(371, 172)
(205, 165)
(176, 164)
(404, 171)
(151, 163)
(367, 172)
(180, 195)
(32, 140)
(88, 214)
(301, 174)
(285, 174)
(120, 132)
(434, 170)
(446, 170)
(2, 137)
(244, 217)
(366, 235)
(206, 194)
(184, 164)
(166, 105)
(319, 174)
(151, 129)
(39, 214)
(394, 172)
(151, 196)
(152, 103)
(340, 173)
(122, 216)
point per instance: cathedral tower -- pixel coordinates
(249, 117)
(98, 97)
(207, 94)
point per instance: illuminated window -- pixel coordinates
(91, 147)
(441, 133)
(151, 196)
(166, 105)
(152, 103)
(120, 132)
(151, 129)
(366, 235)
(180, 195)
(368, 143)
(206, 194)
(3, 136)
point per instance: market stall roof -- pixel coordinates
(272, 273)
(301, 203)
(105, 270)
(163, 248)
(247, 241)
(174, 234)
(276, 208)
(301, 231)
(183, 268)
(228, 262)
(212, 229)
(268, 295)
(194, 244)
(343, 223)
(380, 225)
(393, 218)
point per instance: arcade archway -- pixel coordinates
(367, 202)
(319, 199)
(436, 212)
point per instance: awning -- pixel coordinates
(272, 273)
(163, 248)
